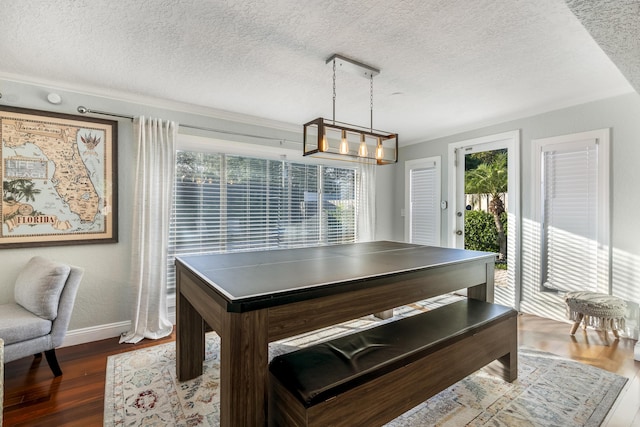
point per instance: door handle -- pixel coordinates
(459, 232)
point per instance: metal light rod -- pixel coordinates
(354, 67)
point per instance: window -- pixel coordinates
(225, 203)
(573, 206)
(423, 198)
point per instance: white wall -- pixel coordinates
(622, 115)
(385, 205)
(102, 306)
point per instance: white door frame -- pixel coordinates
(511, 141)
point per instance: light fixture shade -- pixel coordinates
(344, 143)
(324, 138)
(363, 151)
(379, 150)
(323, 144)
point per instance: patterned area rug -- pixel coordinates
(142, 390)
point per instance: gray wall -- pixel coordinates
(105, 294)
(622, 115)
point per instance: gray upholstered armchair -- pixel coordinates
(37, 322)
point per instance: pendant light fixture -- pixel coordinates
(343, 141)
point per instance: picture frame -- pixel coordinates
(59, 179)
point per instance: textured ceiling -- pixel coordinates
(615, 26)
(446, 65)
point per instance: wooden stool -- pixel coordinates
(595, 309)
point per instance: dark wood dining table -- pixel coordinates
(252, 298)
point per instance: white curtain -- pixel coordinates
(153, 195)
(367, 203)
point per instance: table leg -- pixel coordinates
(189, 340)
(615, 331)
(585, 319)
(574, 328)
(384, 315)
(484, 292)
(244, 358)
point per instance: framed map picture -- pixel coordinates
(59, 182)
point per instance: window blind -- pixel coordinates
(570, 216)
(226, 203)
(424, 205)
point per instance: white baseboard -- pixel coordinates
(103, 332)
(95, 333)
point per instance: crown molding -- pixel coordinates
(155, 102)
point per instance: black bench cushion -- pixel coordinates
(315, 373)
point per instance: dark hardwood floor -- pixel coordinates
(34, 398)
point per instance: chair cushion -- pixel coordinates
(39, 285)
(18, 324)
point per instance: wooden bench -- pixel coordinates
(373, 376)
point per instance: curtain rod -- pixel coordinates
(85, 110)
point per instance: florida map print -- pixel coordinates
(56, 179)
